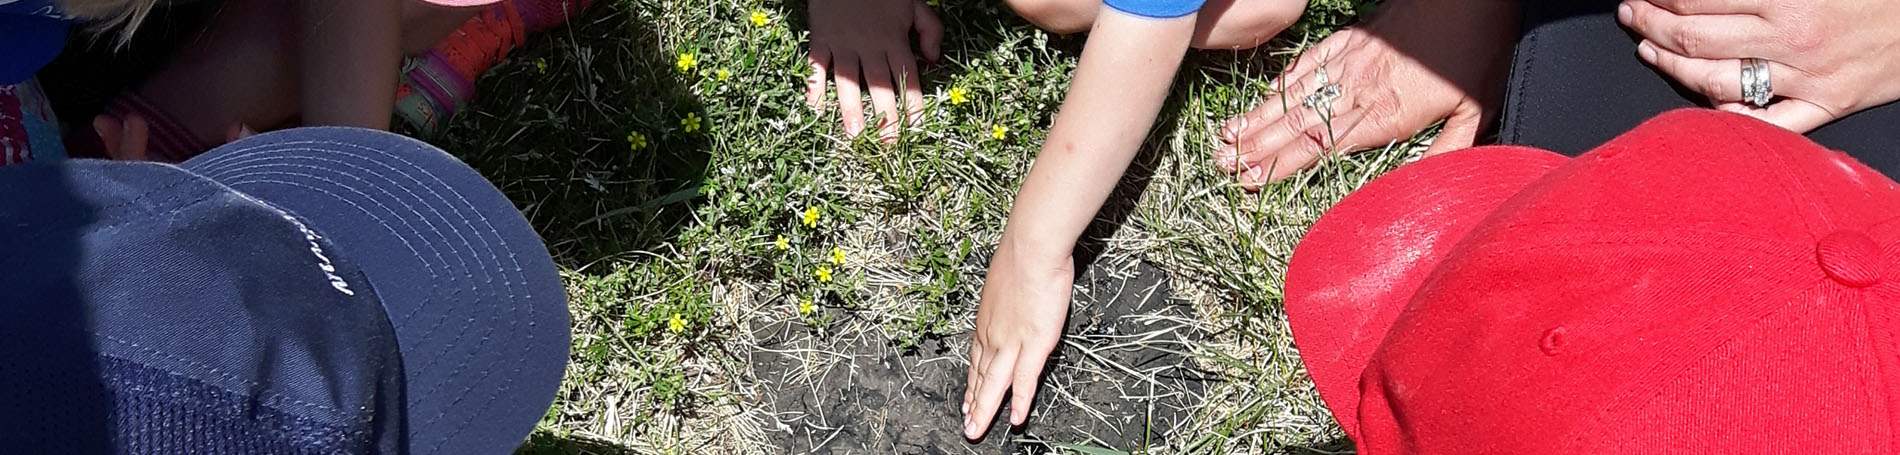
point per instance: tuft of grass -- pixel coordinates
(663, 149)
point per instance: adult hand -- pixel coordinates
(1412, 65)
(1018, 324)
(1826, 58)
(867, 42)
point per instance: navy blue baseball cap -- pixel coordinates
(319, 290)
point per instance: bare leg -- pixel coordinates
(425, 25)
(246, 68)
(1223, 24)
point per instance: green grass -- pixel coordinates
(669, 250)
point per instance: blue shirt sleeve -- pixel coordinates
(32, 32)
(1161, 9)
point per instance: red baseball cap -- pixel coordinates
(1705, 283)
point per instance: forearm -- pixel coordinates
(1119, 87)
(352, 52)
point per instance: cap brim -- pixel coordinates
(1357, 267)
(476, 303)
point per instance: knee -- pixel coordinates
(1061, 17)
(1244, 24)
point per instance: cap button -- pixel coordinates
(1850, 258)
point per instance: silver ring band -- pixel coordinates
(1758, 87)
(1322, 98)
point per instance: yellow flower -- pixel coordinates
(824, 274)
(723, 74)
(687, 62)
(782, 243)
(636, 141)
(837, 256)
(805, 308)
(676, 325)
(759, 19)
(999, 132)
(958, 95)
(691, 122)
(811, 217)
(541, 64)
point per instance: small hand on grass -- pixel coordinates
(1018, 324)
(872, 36)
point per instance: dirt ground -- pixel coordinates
(1119, 381)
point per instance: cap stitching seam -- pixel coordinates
(217, 163)
(1663, 371)
(219, 372)
(1791, 182)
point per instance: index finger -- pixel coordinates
(1686, 7)
(1701, 35)
(995, 380)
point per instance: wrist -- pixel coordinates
(1028, 250)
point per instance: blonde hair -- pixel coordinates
(109, 16)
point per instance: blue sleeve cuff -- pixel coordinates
(1159, 9)
(30, 43)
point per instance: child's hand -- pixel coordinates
(872, 35)
(1025, 300)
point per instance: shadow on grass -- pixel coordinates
(553, 127)
(1341, 446)
(582, 128)
(547, 444)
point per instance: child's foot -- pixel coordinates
(441, 81)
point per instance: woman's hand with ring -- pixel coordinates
(1826, 58)
(1414, 64)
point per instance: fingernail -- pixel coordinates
(1255, 174)
(1647, 51)
(1228, 159)
(966, 412)
(1624, 13)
